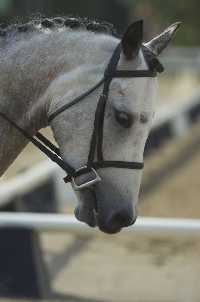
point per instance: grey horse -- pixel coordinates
(46, 64)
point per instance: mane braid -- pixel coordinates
(53, 24)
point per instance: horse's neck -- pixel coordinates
(19, 100)
(28, 66)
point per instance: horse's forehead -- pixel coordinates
(134, 90)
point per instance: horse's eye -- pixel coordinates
(124, 119)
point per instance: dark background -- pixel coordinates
(156, 13)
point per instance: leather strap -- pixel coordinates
(75, 101)
(134, 74)
(106, 164)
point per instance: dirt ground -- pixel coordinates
(132, 269)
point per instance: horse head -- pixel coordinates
(111, 203)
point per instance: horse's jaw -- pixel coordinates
(109, 213)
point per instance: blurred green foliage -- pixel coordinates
(5, 5)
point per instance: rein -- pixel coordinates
(96, 142)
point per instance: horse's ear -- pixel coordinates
(132, 40)
(159, 43)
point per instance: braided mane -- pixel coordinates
(54, 24)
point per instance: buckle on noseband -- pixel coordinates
(92, 181)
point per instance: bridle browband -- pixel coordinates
(96, 143)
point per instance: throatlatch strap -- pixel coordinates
(112, 65)
(75, 101)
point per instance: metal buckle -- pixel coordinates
(87, 184)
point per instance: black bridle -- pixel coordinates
(96, 142)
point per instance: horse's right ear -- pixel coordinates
(132, 40)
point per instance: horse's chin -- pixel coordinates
(87, 211)
(91, 219)
(90, 212)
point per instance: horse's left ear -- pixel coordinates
(159, 43)
(132, 40)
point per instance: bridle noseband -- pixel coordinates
(96, 142)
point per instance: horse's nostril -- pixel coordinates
(121, 219)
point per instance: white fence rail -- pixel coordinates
(67, 223)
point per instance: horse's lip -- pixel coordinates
(110, 231)
(93, 221)
(91, 224)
